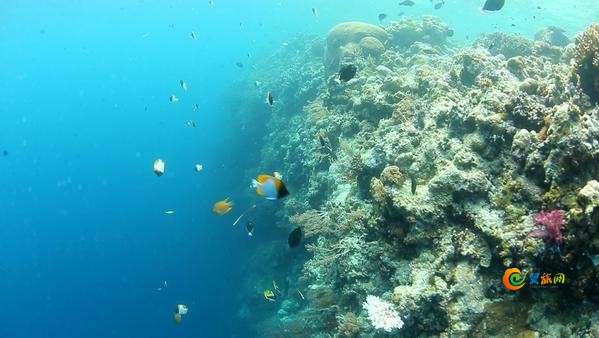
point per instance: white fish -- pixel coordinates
(314, 11)
(169, 212)
(257, 83)
(190, 123)
(159, 166)
(173, 98)
(198, 167)
(181, 309)
(196, 107)
(193, 35)
(183, 85)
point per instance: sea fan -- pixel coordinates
(549, 226)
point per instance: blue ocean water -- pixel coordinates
(85, 245)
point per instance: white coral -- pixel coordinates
(382, 315)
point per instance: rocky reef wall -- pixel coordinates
(419, 180)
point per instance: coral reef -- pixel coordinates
(347, 38)
(586, 60)
(425, 179)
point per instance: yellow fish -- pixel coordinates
(269, 295)
(222, 207)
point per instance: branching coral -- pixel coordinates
(382, 315)
(313, 222)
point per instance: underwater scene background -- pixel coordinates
(447, 189)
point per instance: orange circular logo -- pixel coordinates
(513, 279)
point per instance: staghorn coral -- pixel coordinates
(586, 62)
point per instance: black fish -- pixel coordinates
(493, 5)
(347, 73)
(239, 64)
(5, 153)
(450, 32)
(249, 226)
(295, 237)
(413, 183)
(439, 4)
(407, 3)
(269, 99)
(382, 16)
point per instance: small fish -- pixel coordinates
(249, 226)
(413, 183)
(278, 175)
(346, 73)
(269, 187)
(191, 124)
(198, 167)
(301, 294)
(183, 85)
(210, 3)
(145, 35)
(241, 25)
(5, 152)
(169, 212)
(492, 45)
(173, 98)
(382, 16)
(159, 167)
(314, 11)
(193, 35)
(257, 83)
(269, 295)
(196, 107)
(249, 55)
(493, 5)
(239, 64)
(285, 44)
(294, 237)
(276, 287)
(180, 311)
(269, 99)
(439, 4)
(407, 3)
(450, 32)
(222, 207)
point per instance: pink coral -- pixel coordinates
(551, 224)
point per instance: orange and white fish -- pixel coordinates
(269, 187)
(222, 207)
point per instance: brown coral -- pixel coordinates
(347, 324)
(348, 33)
(393, 175)
(586, 59)
(378, 191)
